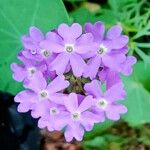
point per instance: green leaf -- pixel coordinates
(145, 57)
(106, 141)
(98, 129)
(16, 16)
(138, 97)
(143, 45)
(82, 15)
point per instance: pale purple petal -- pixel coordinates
(75, 30)
(119, 42)
(19, 72)
(112, 78)
(89, 118)
(28, 43)
(93, 88)
(78, 65)
(26, 100)
(36, 34)
(60, 63)
(71, 102)
(82, 47)
(92, 67)
(116, 92)
(53, 46)
(110, 62)
(114, 111)
(39, 108)
(114, 32)
(68, 134)
(126, 67)
(58, 84)
(98, 30)
(86, 103)
(36, 83)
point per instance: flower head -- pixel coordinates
(63, 73)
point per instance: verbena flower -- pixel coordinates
(63, 73)
(110, 49)
(69, 44)
(26, 70)
(31, 43)
(106, 104)
(39, 94)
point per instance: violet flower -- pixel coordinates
(39, 94)
(69, 44)
(110, 51)
(106, 103)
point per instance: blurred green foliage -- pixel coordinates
(16, 16)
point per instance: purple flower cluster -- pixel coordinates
(63, 73)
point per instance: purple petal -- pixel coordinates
(127, 65)
(26, 100)
(60, 63)
(25, 96)
(78, 65)
(58, 84)
(92, 67)
(103, 74)
(19, 72)
(53, 37)
(75, 30)
(111, 62)
(114, 111)
(68, 134)
(114, 32)
(36, 34)
(52, 45)
(39, 109)
(119, 42)
(71, 102)
(93, 88)
(42, 123)
(116, 92)
(112, 78)
(36, 83)
(81, 46)
(97, 30)
(86, 103)
(88, 120)
(28, 43)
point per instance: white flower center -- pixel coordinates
(75, 116)
(46, 53)
(43, 94)
(102, 50)
(33, 51)
(69, 48)
(54, 111)
(102, 103)
(31, 71)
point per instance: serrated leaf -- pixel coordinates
(16, 16)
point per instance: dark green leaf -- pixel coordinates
(16, 16)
